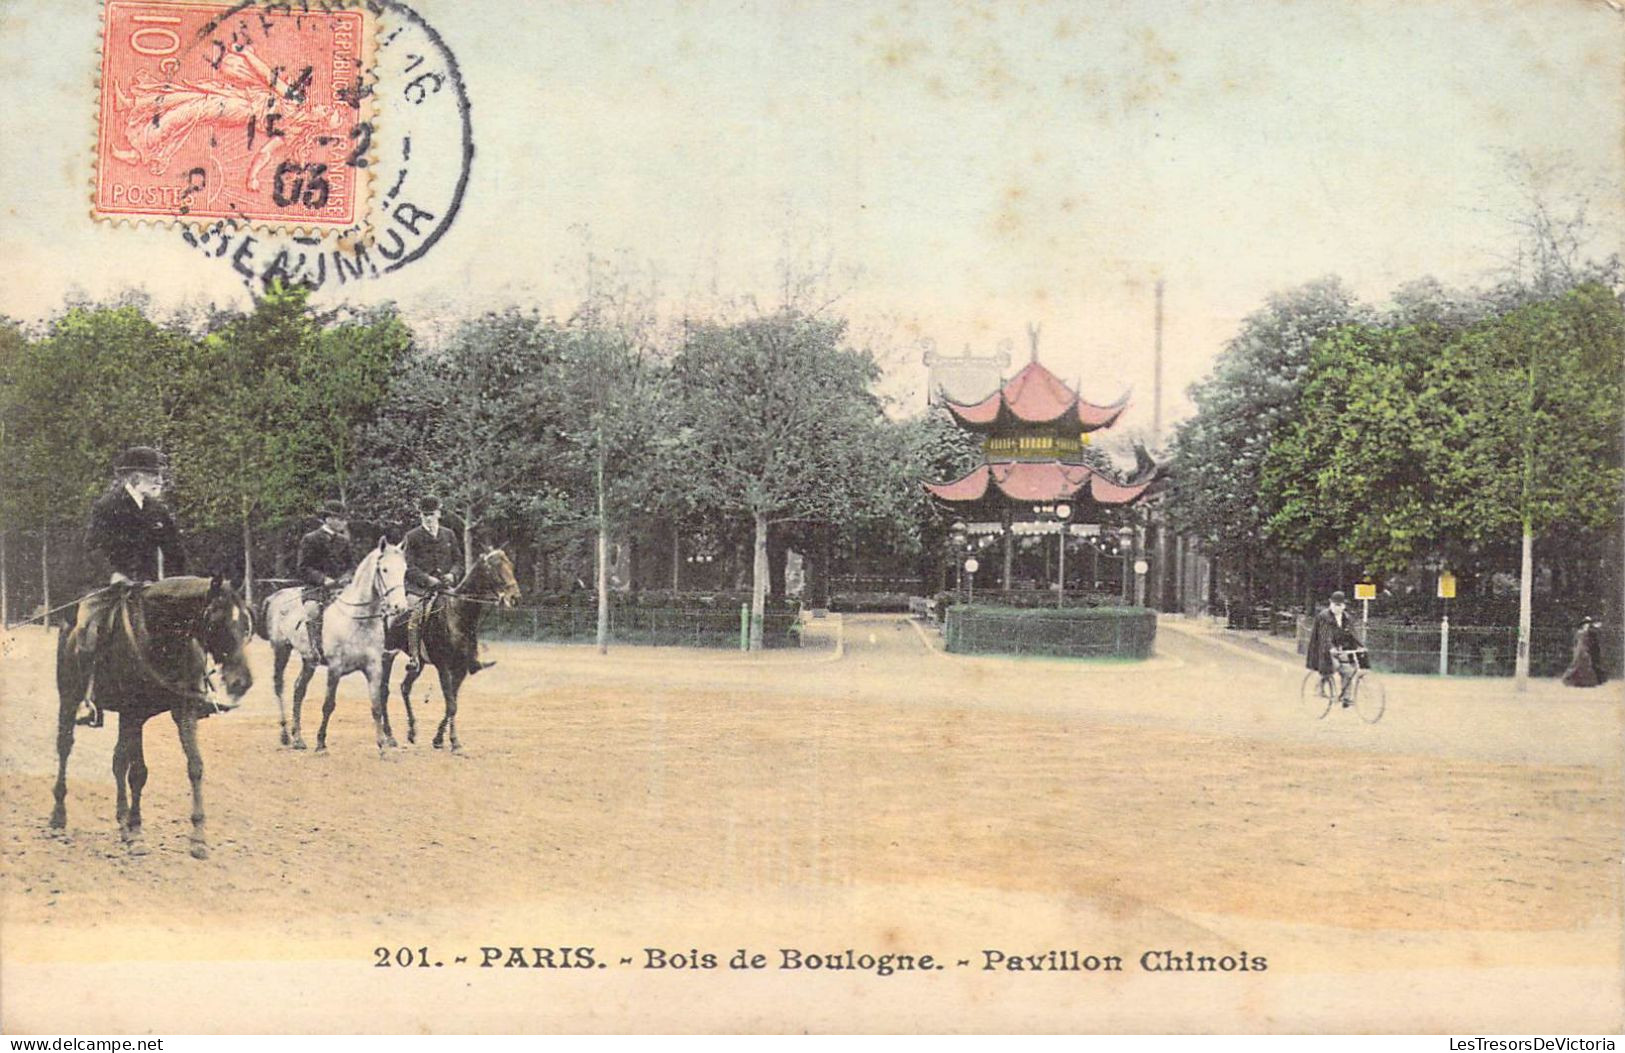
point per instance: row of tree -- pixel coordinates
(1450, 430)
(529, 428)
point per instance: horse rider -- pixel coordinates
(325, 564)
(433, 564)
(132, 529)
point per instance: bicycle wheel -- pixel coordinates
(1370, 698)
(1316, 694)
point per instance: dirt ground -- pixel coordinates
(1455, 867)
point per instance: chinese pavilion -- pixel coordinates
(1035, 429)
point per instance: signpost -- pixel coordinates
(1447, 592)
(1365, 592)
(971, 566)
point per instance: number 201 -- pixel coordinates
(401, 956)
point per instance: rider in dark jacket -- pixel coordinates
(324, 564)
(434, 561)
(135, 533)
(1334, 631)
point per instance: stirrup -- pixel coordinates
(90, 714)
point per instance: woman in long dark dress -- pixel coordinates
(1585, 668)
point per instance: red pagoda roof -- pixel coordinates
(1036, 396)
(1036, 481)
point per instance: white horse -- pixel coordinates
(352, 638)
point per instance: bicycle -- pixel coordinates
(1366, 692)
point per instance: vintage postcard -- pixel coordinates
(811, 517)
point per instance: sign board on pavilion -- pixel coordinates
(1447, 585)
(1365, 590)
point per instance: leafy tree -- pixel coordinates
(1251, 397)
(469, 423)
(778, 424)
(1351, 476)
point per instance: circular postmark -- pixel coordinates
(311, 142)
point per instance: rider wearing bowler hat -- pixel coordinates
(132, 529)
(324, 564)
(434, 558)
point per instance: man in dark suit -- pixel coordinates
(324, 564)
(1333, 631)
(434, 561)
(133, 531)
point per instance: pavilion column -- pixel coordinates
(1009, 549)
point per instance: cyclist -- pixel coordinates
(1333, 647)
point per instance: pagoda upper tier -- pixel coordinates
(1035, 397)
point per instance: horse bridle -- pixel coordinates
(381, 593)
(194, 635)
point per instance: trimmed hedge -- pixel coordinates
(869, 602)
(695, 624)
(1074, 632)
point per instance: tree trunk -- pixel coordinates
(5, 604)
(468, 538)
(45, 571)
(603, 560)
(676, 558)
(1526, 582)
(758, 584)
(248, 564)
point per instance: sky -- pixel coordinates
(942, 172)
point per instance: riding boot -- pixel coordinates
(314, 626)
(414, 640)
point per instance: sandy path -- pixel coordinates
(891, 798)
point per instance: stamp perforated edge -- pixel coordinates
(360, 227)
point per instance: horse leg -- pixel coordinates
(137, 775)
(306, 671)
(387, 663)
(70, 686)
(451, 683)
(406, 700)
(121, 771)
(186, 724)
(281, 652)
(377, 688)
(327, 710)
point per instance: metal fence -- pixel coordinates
(1475, 650)
(651, 626)
(1127, 632)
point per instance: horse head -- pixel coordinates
(495, 571)
(223, 629)
(389, 576)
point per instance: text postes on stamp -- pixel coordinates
(214, 111)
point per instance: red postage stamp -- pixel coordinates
(215, 111)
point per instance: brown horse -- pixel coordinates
(154, 659)
(451, 623)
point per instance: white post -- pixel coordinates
(1444, 645)
(1526, 584)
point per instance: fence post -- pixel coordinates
(1444, 645)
